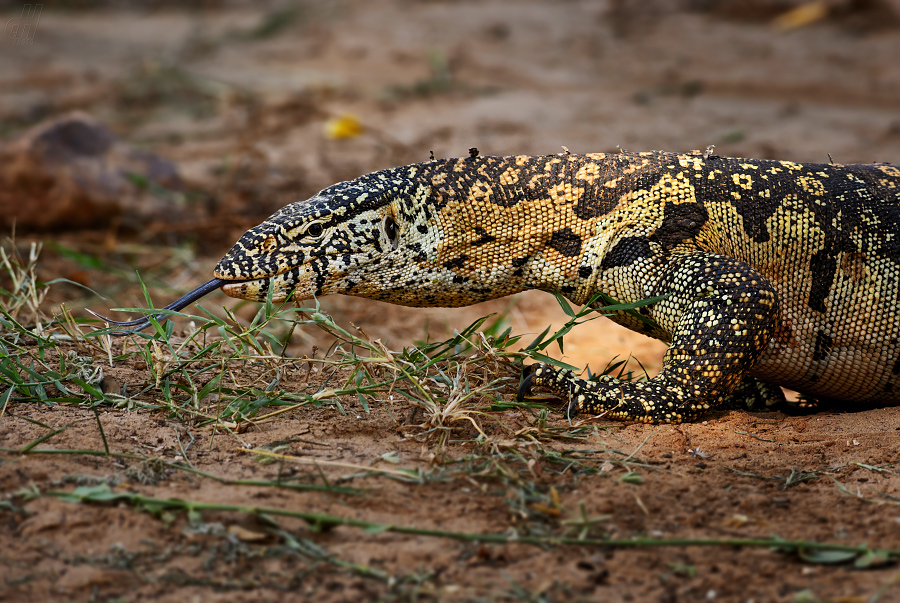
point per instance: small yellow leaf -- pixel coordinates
(343, 126)
(555, 496)
(554, 511)
(801, 16)
(737, 520)
(245, 534)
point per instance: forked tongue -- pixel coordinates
(140, 324)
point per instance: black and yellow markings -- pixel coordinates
(789, 271)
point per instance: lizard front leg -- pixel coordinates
(724, 314)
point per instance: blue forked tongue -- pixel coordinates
(140, 324)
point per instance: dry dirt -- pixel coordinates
(237, 95)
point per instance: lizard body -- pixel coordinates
(782, 272)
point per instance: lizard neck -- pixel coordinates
(507, 224)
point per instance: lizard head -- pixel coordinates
(313, 247)
(378, 236)
(448, 232)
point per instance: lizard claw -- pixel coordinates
(527, 382)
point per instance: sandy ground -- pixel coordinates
(239, 98)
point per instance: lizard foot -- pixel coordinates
(652, 401)
(526, 383)
(754, 394)
(536, 376)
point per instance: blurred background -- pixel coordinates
(149, 135)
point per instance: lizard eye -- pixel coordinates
(315, 230)
(390, 229)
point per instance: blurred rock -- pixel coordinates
(73, 172)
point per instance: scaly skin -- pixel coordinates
(783, 272)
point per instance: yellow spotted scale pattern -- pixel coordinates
(775, 273)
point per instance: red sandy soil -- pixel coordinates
(246, 130)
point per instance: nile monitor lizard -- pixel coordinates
(784, 272)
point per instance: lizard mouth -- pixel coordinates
(254, 289)
(297, 282)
